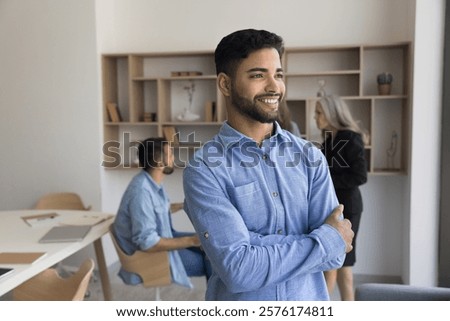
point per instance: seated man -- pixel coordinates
(143, 220)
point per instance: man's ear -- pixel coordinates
(224, 83)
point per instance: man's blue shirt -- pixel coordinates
(142, 219)
(260, 214)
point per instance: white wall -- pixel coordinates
(49, 101)
(176, 25)
(422, 251)
(151, 25)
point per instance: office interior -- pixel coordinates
(51, 102)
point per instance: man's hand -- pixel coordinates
(343, 226)
(175, 207)
(195, 240)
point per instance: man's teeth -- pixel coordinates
(269, 101)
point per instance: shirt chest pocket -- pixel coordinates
(254, 208)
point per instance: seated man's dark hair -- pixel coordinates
(151, 152)
(239, 44)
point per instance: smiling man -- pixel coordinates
(263, 223)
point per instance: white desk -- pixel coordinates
(18, 236)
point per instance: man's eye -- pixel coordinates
(280, 76)
(256, 76)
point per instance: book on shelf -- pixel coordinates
(113, 112)
(150, 117)
(185, 73)
(171, 135)
(210, 111)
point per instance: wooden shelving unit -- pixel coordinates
(144, 83)
(351, 72)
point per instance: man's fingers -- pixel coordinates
(348, 222)
(338, 210)
(349, 248)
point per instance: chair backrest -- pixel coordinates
(61, 201)
(153, 268)
(50, 286)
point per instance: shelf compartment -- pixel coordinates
(115, 70)
(392, 59)
(162, 65)
(304, 87)
(315, 60)
(388, 137)
(121, 149)
(174, 97)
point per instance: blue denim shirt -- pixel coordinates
(142, 219)
(260, 214)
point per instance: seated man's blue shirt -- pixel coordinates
(142, 219)
(260, 214)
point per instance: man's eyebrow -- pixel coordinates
(263, 69)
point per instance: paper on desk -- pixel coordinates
(41, 219)
(85, 219)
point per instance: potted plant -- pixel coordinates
(384, 81)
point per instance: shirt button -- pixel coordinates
(280, 231)
(275, 194)
(264, 157)
(206, 235)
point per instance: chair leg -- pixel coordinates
(158, 295)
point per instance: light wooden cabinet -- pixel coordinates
(151, 90)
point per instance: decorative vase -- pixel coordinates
(384, 81)
(187, 114)
(321, 92)
(384, 89)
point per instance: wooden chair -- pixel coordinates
(50, 286)
(153, 268)
(61, 201)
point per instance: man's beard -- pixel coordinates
(251, 109)
(168, 170)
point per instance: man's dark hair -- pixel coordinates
(151, 152)
(240, 44)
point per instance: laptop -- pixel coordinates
(5, 271)
(66, 233)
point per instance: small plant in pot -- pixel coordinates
(384, 83)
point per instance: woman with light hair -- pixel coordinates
(344, 150)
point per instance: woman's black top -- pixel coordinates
(348, 168)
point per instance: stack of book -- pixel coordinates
(149, 117)
(210, 111)
(185, 73)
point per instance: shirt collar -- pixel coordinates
(151, 181)
(229, 135)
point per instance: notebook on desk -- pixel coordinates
(65, 233)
